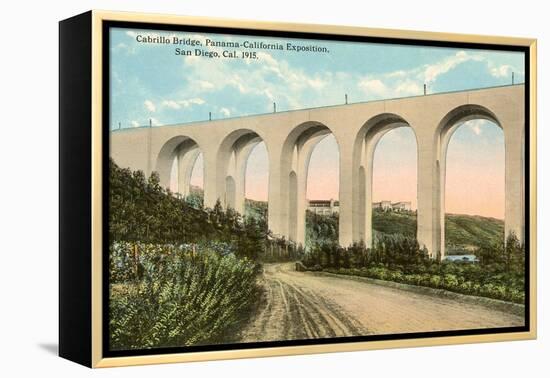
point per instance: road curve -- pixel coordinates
(303, 305)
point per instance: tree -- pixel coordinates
(140, 210)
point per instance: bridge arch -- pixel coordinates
(364, 148)
(183, 150)
(294, 164)
(456, 117)
(431, 117)
(231, 161)
(445, 130)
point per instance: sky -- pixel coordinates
(150, 83)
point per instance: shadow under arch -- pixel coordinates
(185, 150)
(365, 144)
(294, 164)
(231, 161)
(445, 130)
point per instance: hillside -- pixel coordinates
(141, 211)
(255, 209)
(388, 222)
(472, 230)
(463, 232)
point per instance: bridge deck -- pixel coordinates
(320, 107)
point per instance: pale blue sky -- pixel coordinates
(149, 82)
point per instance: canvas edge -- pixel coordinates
(74, 275)
(98, 16)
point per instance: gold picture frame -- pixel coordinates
(82, 42)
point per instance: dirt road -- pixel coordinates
(303, 305)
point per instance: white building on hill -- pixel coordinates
(331, 206)
(324, 207)
(401, 206)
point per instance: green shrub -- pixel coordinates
(435, 281)
(450, 281)
(180, 297)
(140, 210)
(500, 274)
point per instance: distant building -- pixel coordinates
(388, 206)
(382, 205)
(328, 207)
(324, 207)
(401, 206)
(470, 259)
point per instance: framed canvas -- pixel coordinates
(235, 189)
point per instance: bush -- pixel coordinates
(140, 210)
(175, 296)
(450, 281)
(500, 274)
(435, 281)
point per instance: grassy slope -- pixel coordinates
(472, 230)
(394, 223)
(255, 209)
(462, 231)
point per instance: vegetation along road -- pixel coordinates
(298, 305)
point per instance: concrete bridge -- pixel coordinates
(291, 136)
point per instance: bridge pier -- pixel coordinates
(241, 159)
(429, 222)
(345, 196)
(304, 149)
(276, 213)
(514, 215)
(186, 162)
(363, 198)
(293, 188)
(209, 178)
